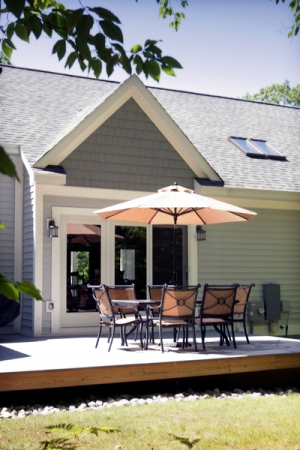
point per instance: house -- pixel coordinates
(81, 144)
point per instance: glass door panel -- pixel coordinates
(163, 255)
(130, 258)
(83, 266)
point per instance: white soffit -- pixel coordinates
(135, 89)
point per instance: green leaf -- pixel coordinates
(83, 49)
(82, 64)
(147, 54)
(105, 14)
(99, 41)
(150, 42)
(21, 32)
(83, 27)
(97, 67)
(154, 49)
(38, 28)
(71, 59)
(59, 48)
(74, 17)
(125, 63)
(119, 48)
(172, 62)
(28, 288)
(138, 64)
(7, 50)
(8, 289)
(47, 29)
(168, 70)
(111, 64)
(15, 6)
(10, 30)
(111, 30)
(136, 48)
(7, 167)
(10, 43)
(154, 70)
(2, 226)
(30, 23)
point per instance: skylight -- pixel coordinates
(256, 148)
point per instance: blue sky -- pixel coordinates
(226, 47)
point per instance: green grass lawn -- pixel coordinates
(212, 423)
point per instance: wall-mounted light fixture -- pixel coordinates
(201, 234)
(52, 229)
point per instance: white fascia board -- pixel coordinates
(252, 198)
(11, 149)
(57, 179)
(28, 168)
(131, 88)
(116, 195)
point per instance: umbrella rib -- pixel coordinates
(196, 212)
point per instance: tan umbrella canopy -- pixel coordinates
(79, 233)
(176, 205)
(82, 234)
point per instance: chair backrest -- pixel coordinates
(218, 301)
(122, 292)
(242, 295)
(178, 302)
(155, 293)
(103, 302)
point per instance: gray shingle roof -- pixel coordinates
(38, 108)
(208, 122)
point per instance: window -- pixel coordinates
(256, 148)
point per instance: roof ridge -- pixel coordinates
(221, 96)
(10, 66)
(149, 87)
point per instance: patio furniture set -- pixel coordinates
(174, 307)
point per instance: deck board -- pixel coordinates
(39, 363)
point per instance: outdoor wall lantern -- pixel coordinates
(52, 228)
(201, 234)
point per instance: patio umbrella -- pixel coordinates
(176, 205)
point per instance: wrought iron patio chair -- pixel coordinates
(178, 309)
(126, 292)
(109, 319)
(155, 293)
(217, 310)
(240, 308)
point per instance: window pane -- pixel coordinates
(246, 145)
(163, 255)
(130, 258)
(265, 147)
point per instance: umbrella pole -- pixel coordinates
(174, 276)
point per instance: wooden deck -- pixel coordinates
(39, 363)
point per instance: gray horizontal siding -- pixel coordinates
(127, 152)
(7, 236)
(28, 255)
(265, 250)
(7, 216)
